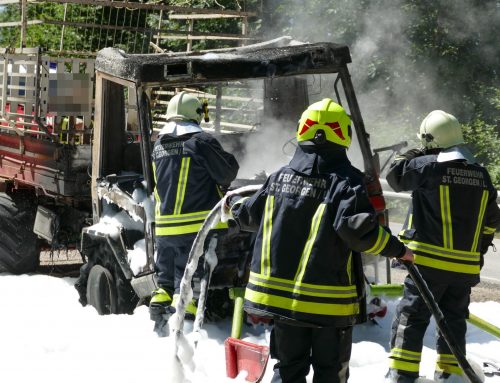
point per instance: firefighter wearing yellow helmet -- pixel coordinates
(325, 121)
(312, 219)
(190, 168)
(449, 227)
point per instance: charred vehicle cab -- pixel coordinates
(250, 90)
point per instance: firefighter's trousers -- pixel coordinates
(171, 259)
(327, 349)
(411, 321)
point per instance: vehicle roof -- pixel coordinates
(255, 61)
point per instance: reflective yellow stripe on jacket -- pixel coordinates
(382, 239)
(265, 257)
(293, 295)
(444, 198)
(480, 217)
(446, 257)
(443, 258)
(180, 223)
(489, 230)
(181, 185)
(310, 242)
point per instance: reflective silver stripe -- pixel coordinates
(182, 217)
(265, 261)
(307, 289)
(349, 267)
(444, 195)
(480, 217)
(157, 196)
(181, 185)
(406, 354)
(440, 251)
(306, 252)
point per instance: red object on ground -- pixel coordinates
(258, 320)
(245, 356)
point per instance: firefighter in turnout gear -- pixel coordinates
(449, 227)
(313, 218)
(190, 168)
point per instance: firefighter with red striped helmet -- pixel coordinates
(313, 218)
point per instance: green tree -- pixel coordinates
(126, 28)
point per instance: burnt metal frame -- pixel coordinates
(147, 70)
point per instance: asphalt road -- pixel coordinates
(489, 287)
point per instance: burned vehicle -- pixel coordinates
(253, 92)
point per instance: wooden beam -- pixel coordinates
(193, 16)
(163, 34)
(204, 37)
(19, 23)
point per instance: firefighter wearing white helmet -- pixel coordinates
(449, 227)
(440, 130)
(312, 219)
(191, 169)
(185, 107)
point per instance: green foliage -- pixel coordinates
(411, 57)
(485, 140)
(125, 28)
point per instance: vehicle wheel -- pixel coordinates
(103, 285)
(19, 246)
(101, 291)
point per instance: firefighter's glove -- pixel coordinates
(226, 214)
(407, 256)
(412, 153)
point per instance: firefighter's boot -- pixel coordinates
(190, 308)
(444, 377)
(159, 310)
(394, 376)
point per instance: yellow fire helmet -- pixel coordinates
(328, 117)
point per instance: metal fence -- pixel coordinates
(82, 27)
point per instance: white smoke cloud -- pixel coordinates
(396, 90)
(266, 150)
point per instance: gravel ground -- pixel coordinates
(484, 291)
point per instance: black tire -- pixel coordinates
(103, 285)
(19, 246)
(101, 291)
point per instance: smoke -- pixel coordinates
(266, 150)
(397, 83)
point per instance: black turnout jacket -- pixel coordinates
(312, 219)
(189, 170)
(453, 217)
